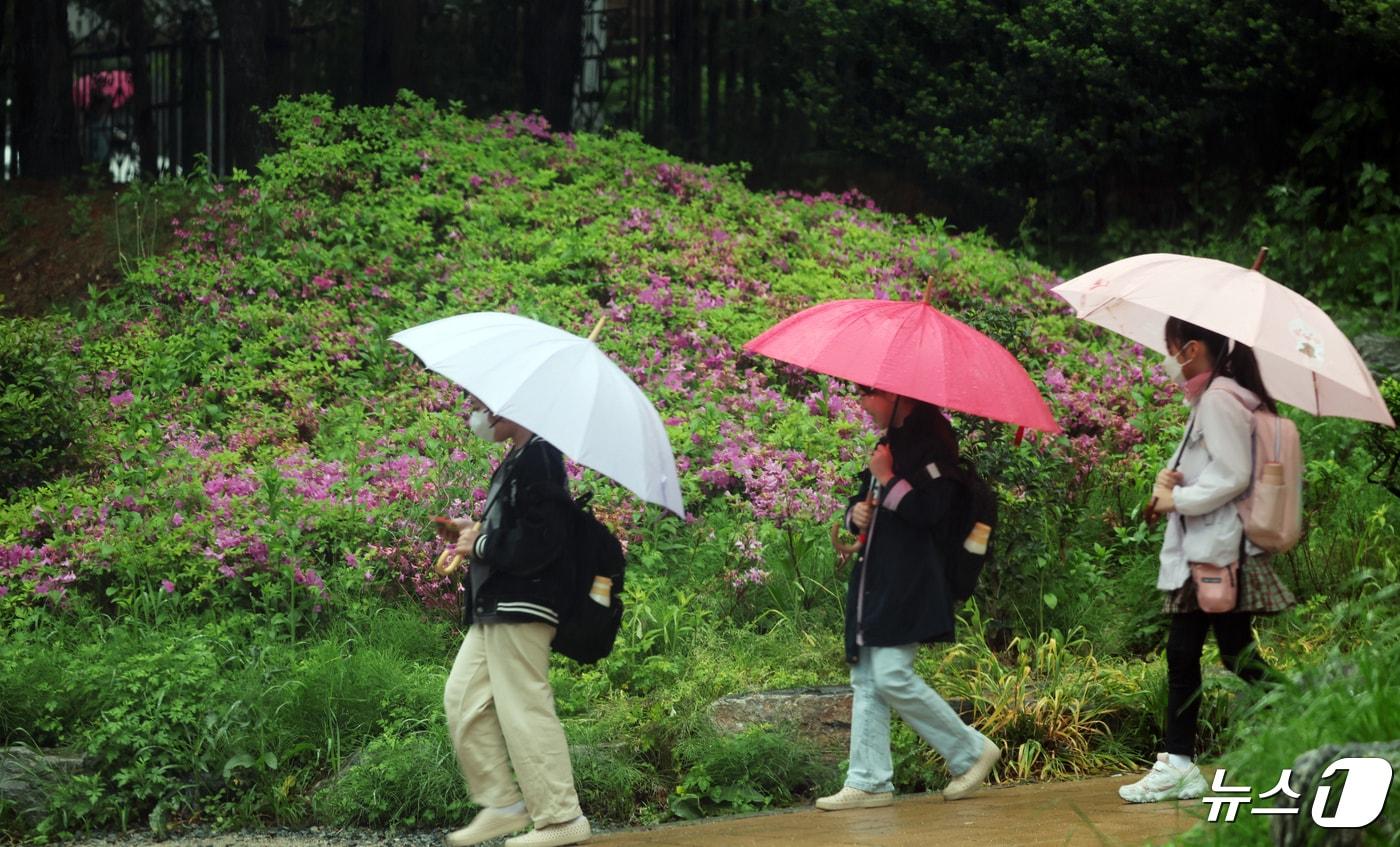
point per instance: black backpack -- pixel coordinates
(588, 629)
(978, 506)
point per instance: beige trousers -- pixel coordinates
(500, 715)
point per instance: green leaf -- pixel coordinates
(242, 760)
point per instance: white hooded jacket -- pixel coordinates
(1216, 464)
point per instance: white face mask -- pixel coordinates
(1173, 368)
(481, 426)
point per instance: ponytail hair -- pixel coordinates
(1237, 361)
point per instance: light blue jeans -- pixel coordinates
(884, 679)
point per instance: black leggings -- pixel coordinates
(1185, 643)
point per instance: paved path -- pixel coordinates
(1085, 812)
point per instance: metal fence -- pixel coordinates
(689, 75)
(693, 76)
(186, 103)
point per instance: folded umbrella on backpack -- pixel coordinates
(560, 387)
(1304, 359)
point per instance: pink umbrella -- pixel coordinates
(1304, 359)
(116, 86)
(911, 349)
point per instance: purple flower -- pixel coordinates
(167, 586)
(122, 399)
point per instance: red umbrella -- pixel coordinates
(911, 349)
(115, 86)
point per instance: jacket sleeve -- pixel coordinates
(533, 532)
(1224, 425)
(926, 505)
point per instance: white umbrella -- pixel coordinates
(1304, 359)
(560, 387)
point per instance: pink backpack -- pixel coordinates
(1272, 507)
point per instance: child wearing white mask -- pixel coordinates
(1196, 496)
(498, 700)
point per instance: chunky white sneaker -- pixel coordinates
(970, 781)
(1165, 782)
(489, 823)
(575, 831)
(854, 798)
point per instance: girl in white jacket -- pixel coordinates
(1211, 469)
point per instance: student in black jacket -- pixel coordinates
(898, 598)
(499, 704)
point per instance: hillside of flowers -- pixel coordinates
(218, 589)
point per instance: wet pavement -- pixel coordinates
(1084, 812)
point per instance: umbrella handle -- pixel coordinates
(447, 563)
(1149, 514)
(846, 549)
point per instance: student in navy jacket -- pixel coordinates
(499, 704)
(898, 598)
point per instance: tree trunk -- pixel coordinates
(255, 41)
(390, 48)
(45, 126)
(552, 58)
(138, 42)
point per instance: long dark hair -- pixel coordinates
(1237, 362)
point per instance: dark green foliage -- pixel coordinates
(742, 773)
(1383, 443)
(1095, 110)
(40, 413)
(408, 781)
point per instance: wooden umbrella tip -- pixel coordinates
(597, 328)
(928, 291)
(1259, 260)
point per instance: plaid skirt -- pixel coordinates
(1261, 592)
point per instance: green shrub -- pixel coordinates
(615, 784)
(40, 412)
(408, 781)
(752, 770)
(1383, 443)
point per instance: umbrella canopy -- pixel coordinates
(911, 349)
(1304, 359)
(559, 386)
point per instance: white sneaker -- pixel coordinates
(854, 798)
(970, 781)
(489, 823)
(575, 831)
(1165, 782)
